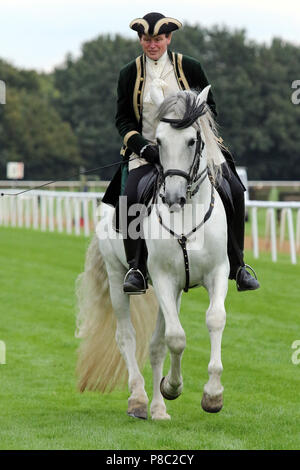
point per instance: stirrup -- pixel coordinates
(143, 290)
(245, 266)
(252, 284)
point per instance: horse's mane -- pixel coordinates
(186, 112)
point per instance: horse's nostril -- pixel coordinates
(182, 201)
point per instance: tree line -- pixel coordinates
(60, 122)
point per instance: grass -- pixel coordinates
(41, 408)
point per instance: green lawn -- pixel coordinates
(41, 408)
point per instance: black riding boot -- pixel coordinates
(135, 281)
(235, 211)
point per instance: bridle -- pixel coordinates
(192, 176)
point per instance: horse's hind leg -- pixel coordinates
(212, 400)
(126, 339)
(158, 350)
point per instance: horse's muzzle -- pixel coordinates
(175, 204)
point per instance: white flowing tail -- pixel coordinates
(100, 365)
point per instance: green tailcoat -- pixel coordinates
(189, 75)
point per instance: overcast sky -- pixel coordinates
(39, 33)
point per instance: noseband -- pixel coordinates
(192, 176)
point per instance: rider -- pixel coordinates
(136, 123)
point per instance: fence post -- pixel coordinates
(51, 213)
(68, 215)
(298, 230)
(271, 228)
(1, 210)
(59, 219)
(282, 226)
(291, 236)
(13, 212)
(43, 213)
(77, 207)
(27, 201)
(35, 212)
(6, 211)
(255, 233)
(94, 217)
(86, 217)
(20, 211)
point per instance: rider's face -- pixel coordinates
(155, 46)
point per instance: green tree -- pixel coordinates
(31, 130)
(55, 122)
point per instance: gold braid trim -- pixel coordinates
(163, 21)
(136, 88)
(139, 87)
(142, 22)
(128, 135)
(182, 78)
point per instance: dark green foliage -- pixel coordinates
(59, 121)
(31, 130)
(252, 87)
(87, 97)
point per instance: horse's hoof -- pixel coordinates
(140, 413)
(165, 394)
(159, 413)
(137, 408)
(160, 417)
(212, 404)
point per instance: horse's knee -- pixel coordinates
(176, 342)
(157, 351)
(215, 319)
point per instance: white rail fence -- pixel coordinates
(64, 211)
(287, 210)
(77, 213)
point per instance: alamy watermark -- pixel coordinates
(2, 92)
(2, 352)
(296, 353)
(133, 223)
(295, 97)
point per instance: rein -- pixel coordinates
(66, 178)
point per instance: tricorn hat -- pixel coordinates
(154, 24)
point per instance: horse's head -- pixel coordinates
(181, 142)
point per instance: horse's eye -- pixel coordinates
(191, 142)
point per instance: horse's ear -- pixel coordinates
(203, 95)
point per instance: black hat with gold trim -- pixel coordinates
(153, 24)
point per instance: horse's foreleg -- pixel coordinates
(157, 356)
(126, 339)
(171, 385)
(212, 400)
